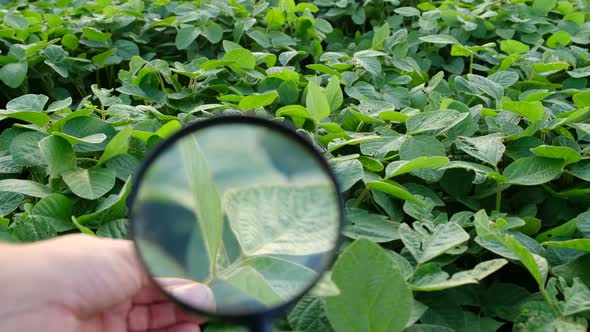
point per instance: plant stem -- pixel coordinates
(499, 197)
(361, 198)
(360, 126)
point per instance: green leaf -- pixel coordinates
(435, 121)
(430, 241)
(25, 187)
(14, 74)
(576, 244)
(334, 93)
(374, 227)
(82, 228)
(259, 100)
(88, 133)
(347, 172)
(380, 36)
(536, 265)
(544, 6)
(423, 146)
(581, 170)
(243, 58)
(407, 11)
(275, 19)
(25, 149)
(566, 229)
(549, 68)
(577, 298)
(513, 47)
(117, 146)
(29, 102)
(487, 86)
(111, 208)
(38, 119)
(578, 268)
(59, 155)
(559, 39)
(487, 148)
(533, 170)
(580, 72)
(394, 190)
(432, 278)
(372, 290)
(309, 315)
(90, 183)
(115, 229)
(403, 166)
(102, 58)
(70, 41)
(582, 99)
(16, 21)
(33, 231)
(213, 32)
(95, 35)
(56, 210)
(439, 39)
(186, 36)
(481, 171)
(316, 102)
(9, 201)
(568, 155)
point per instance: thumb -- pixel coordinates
(195, 295)
(93, 274)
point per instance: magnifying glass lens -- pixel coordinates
(242, 209)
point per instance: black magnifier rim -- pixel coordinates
(225, 120)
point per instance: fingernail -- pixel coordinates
(195, 295)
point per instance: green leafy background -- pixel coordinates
(459, 131)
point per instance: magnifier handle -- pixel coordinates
(261, 325)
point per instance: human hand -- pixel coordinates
(83, 283)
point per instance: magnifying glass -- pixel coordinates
(241, 206)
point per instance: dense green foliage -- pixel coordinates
(459, 130)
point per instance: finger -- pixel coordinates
(165, 282)
(184, 327)
(159, 315)
(195, 295)
(148, 295)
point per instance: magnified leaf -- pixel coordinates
(269, 280)
(206, 201)
(291, 215)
